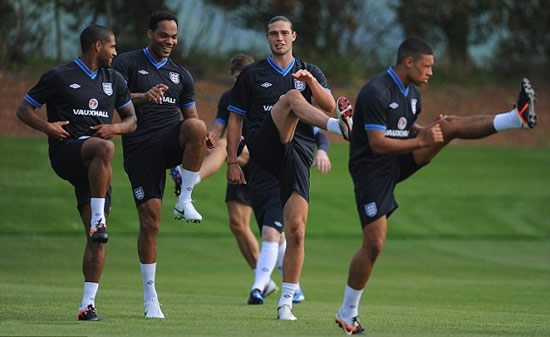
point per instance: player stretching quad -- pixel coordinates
(274, 96)
(239, 200)
(160, 88)
(81, 97)
(388, 146)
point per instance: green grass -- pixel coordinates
(468, 254)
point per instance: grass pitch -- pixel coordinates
(468, 254)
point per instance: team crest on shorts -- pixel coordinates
(107, 88)
(175, 77)
(138, 193)
(413, 105)
(370, 209)
(299, 85)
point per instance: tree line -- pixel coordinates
(356, 31)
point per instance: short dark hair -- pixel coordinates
(279, 18)
(94, 33)
(415, 47)
(157, 17)
(239, 61)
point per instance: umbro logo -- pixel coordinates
(266, 85)
(143, 72)
(394, 105)
(74, 86)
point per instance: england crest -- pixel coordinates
(299, 85)
(370, 209)
(138, 193)
(413, 105)
(107, 88)
(175, 77)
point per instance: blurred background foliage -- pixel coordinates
(475, 40)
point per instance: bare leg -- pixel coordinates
(149, 223)
(94, 253)
(97, 155)
(291, 108)
(193, 141)
(472, 127)
(295, 216)
(214, 160)
(239, 222)
(374, 236)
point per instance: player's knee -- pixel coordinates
(296, 235)
(105, 150)
(373, 248)
(237, 226)
(149, 226)
(194, 127)
(293, 96)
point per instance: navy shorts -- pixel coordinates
(374, 187)
(290, 162)
(146, 161)
(265, 197)
(66, 161)
(239, 192)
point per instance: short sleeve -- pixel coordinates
(44, 90)
(187, 97)
(374, 111)
(240, 98)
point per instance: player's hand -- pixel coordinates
(322, 162)
(156, 93)
(303, 75)
(211, 140)
(235, 174)
(55, 130)
(105, 131)
(431, 135)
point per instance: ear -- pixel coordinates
(149, 34)
(294, 35)
(408, 61)
(98, 45)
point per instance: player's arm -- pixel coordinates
(321, 95)
(218, 130)
(322, 161)
(128, 123)
(382, 145)
(27, 114)
(235, 174)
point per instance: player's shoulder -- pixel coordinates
(260, 64)
(129, 57)
(301, 64)
(226, 96)
(377, 87)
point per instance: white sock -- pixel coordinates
(350, 307)
(507, 120)
(287, 292)
(199, 179)
(188, 180)
(333, 126)
(148, 272)
(88, 296)
(98, 208)
(281, 257)
(266, 263)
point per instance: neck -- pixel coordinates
(90, 61)
(402, 74)
(155, 56)
(282, 60)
